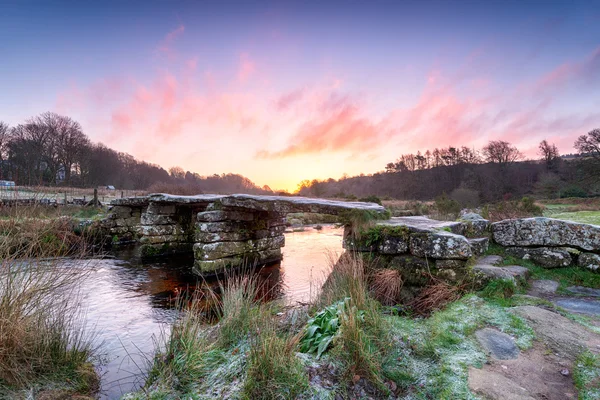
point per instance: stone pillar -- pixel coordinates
(165, 229)
(229, 238)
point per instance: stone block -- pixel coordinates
(222, 215)
(156, 219)
(589, 261)
(160, 239)
(547, 257)
(479, 246)
(546, 232)
(203, 267)
(213, 251)
(440, 245)
(161, 209)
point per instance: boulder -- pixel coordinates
(440, 245)
(547, 257)
(590, 261)
(546, 232)
(479, 246)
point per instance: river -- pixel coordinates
(128, 304)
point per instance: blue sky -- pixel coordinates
(302, 90)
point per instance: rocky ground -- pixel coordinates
(546, 370)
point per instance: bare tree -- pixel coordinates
(549, 153)
(5, 136)
(501, 152)
(588, 146)
(177, 172)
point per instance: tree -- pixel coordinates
(177, 173)
(5, 136)
(501, 152)
(549, 153)
(588, 146)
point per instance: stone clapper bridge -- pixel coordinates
(222, 231)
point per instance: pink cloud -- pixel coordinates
(165, 46)
(286, 100)
(246, 68)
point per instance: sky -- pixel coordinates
(284, 91)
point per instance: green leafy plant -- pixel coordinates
(322, 329)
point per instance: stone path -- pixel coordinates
(545, 370)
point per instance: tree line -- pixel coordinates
(496, 171)
(52, 149)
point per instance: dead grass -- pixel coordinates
(386, 285)
(436, 296)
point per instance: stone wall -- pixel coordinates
(419, 247)
(550, 243)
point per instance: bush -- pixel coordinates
(446, 207)
(573, 191)
(371, 199)
(509, 209)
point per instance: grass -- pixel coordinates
(243, 356)
(43, 341)
(585, 217)
(586, 376)
(430, 357)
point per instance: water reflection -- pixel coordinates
(130, 303)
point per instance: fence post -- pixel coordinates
(95, 197)
(65, 198)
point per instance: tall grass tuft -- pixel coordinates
(42, 334)
(363, 333)
(274, 371)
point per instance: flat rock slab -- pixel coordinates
(489, 260)
(498, 344)
(512, 272)
(495, 386)
(534, 374)
(544, 287)
(546, 232)
(277, 204)
(559, 333)
(424, 224)
(581, 306)
(584, 291)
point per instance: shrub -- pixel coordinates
(573, 191)
(446, 207)
(508, 209)
(371, 199)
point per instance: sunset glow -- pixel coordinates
(282, 92)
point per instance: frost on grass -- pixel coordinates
(431, 356)
(587, 376)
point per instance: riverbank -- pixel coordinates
(346, 344)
